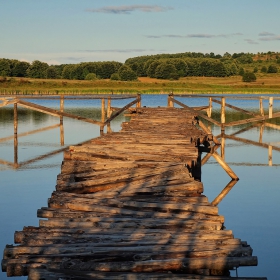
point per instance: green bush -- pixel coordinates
(241, 71)
(165, 71)
(249, 77)
(128, 75)
(272, 69)
(90, 77)
(115, 77)
(264, 69)
(174, 76)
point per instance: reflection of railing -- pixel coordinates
(16, 164)
(251, 142)
(18, 101)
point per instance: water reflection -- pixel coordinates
(33, 145)
(16, 164)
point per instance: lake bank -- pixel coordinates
(265, 84)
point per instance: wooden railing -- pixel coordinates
(205, 112)
(254, 117)
(107, 116)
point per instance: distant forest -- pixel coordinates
(160, 66)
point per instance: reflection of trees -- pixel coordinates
(236, 116)
(25, 115)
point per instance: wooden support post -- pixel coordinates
(103, 110)
(109, 109)
(209, 111)
(270, 110)
(261, 107)
(210, 135)
(61, 108)
(270, 155)
(15, 135)
(138, 104)
(109, 129)
(225, 166)
(223, 140)
(261, 133)
(223, 114)
(170, 100)
(61, 134)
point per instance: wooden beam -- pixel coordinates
(225, 166)
(196, 112)
(256, 119)
(235, 108)
(54, 112)
(120, 111)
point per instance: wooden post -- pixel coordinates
(223, 114)
(15, 135)
(61, 134)
(209, 111)
(223, 140)
(270, 155)
(170, 100)
(270, 110)
(261, 133)
(109, 109)
(103, 110)
(225, 166)
(109, 129)
(261, 107)
(138, 104)
(205, 129)
(61, 108)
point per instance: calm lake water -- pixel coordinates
(251, 208)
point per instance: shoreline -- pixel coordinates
(265, 84)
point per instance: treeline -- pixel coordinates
(161, 66)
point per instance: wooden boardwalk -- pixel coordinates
(128, 205)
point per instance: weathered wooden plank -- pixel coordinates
(89, 249)
(129, 255)
(116, 235)
(218, 263)
(121, 172)
(35, 274)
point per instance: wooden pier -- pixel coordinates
(130, 205)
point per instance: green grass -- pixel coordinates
(266, 83)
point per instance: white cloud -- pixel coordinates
(252, 42)
(130, 8)
(266, 34)
(270, 38)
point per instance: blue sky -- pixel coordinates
(73, 31)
